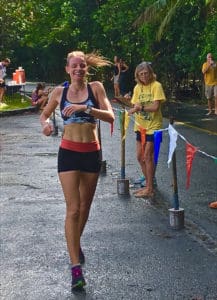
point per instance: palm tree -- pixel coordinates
(165, 10)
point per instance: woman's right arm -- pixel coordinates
(47, 127)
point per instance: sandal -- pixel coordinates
(138, 191)
(144, 194)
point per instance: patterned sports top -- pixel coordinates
(81, 116)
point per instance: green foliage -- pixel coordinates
(175, 35)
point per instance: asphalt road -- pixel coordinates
(132, 252)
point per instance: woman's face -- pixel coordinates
(144, 76)
(77, 68)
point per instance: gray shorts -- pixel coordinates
(210, 91)
(116, 77)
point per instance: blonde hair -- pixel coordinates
(93, 59)
(145, 66)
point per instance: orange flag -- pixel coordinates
(143, 138)
(190, 153)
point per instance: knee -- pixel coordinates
(148, 157)
(140, 158)
(85, 207)
(73, 213)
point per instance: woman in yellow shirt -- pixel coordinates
(209, 70)
(147, 97)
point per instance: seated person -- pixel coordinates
(40, 96)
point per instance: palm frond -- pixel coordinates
(150, 13)
(166, 21)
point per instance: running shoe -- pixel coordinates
(78, 281)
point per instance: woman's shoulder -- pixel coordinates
(156, 83)
(137, 86)
(57, 93)
(95, 85)
(58, 89)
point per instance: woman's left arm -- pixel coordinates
(105, 111)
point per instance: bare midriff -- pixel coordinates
(81, 132)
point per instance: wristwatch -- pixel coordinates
(88, 109)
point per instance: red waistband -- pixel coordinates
(80, 147)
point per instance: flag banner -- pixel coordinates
(190, 153)
(157, 141)
(126, 123)
(172, 145)
(173, 135)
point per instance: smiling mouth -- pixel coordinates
(78, 73)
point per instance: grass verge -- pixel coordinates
(15, 101)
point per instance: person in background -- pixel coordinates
(115, 77)
(3, 65)
(79, 159)
(123, 77)
(147, 98)
(40, 96)
(209, 70)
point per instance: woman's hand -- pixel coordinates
(70, 109)
(137, 107)
(47, 129)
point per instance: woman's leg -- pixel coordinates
(70, 184)
(146, 162)
(88, 183)
(149, 165)
(141, 162)
(140, 157)
(116, 89)
(43, 101)
(78, 189)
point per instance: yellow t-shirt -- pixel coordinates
(145, 95)
(210, 77)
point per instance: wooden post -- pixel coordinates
(103, 162)
(123, 183)
(123, 148)
(175, 182)
(176, 213)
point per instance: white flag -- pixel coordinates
(172, 146)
